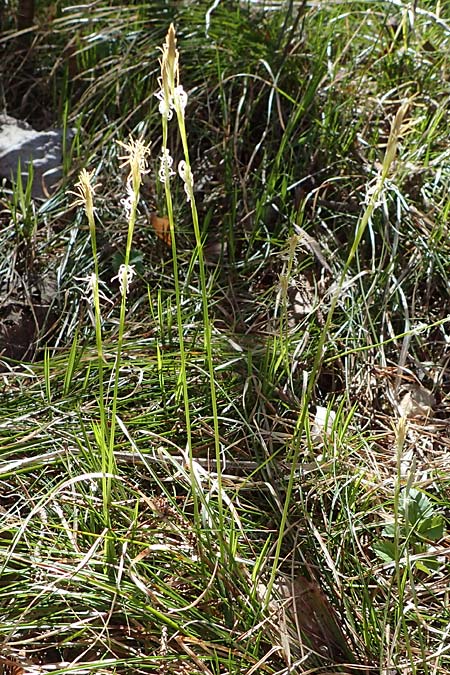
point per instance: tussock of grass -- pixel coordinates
(170, 500)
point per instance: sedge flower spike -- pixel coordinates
(165, 105)
(129, 202)
(92, 288)
(125, 277)
(165, 170)
(188, 179)
(171, 94)
(84, 191)
(92, 284)
(169, 62)
(135, 157)
(180, 99)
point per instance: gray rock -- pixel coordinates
(19, 141)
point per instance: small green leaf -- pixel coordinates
(428, 565)
(432, 528)
(389, 530)
(416, 506)
(385, 550)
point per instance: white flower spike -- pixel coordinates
(188, 179)
(165, 106)
(180, 99)
(91, 281)
(125, 276)
(165, 171)
(129, 202)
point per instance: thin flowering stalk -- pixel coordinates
(373, 201)
(85, 197)
(84, 191)
(168, 82)
(178, 100)
(135, 159)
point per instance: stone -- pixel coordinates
(19, 141)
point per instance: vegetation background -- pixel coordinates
(241, 463)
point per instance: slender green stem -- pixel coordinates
(206, 323)
(178, 299)
(300, 425)
(123, 306)
(100, 360)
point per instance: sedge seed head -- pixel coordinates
(125, 277)
(186, 176)
(169, 63)
(84, 192)
(135, 157)
(169, 72)
(171, 95)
